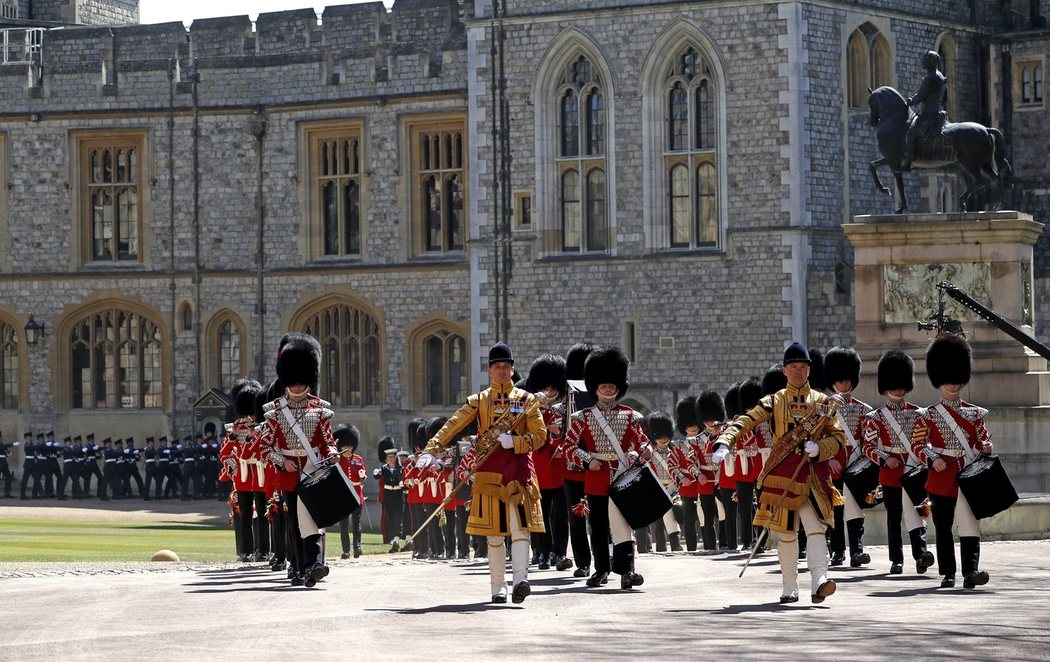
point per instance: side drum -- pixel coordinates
(328, 495)
(640, 497)
(986, 487)
(861, 478)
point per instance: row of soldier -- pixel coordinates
(712, 470)
(185, 470)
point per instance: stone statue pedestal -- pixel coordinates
(988, 255)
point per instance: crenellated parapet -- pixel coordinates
(363, 49)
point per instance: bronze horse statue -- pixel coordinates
(976, 151)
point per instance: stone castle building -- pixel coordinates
(411, 185)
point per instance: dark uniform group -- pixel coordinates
(53, 469)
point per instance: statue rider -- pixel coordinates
(927, 124)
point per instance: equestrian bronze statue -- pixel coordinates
(927, 140)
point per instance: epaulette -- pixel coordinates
(327, 414)
(269, 406)
(972, 412)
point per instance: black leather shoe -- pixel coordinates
(597, 579)
(948, 581)
(802, 554)
(631, 579)
(975, 579)
(896, 569)
(924, 562)
(394, 547)
(280, 565)
(292, 572)
(860, 559)
(823, 591)
(345, 555)
(837, 559)
(564, 563)
(582, 571)
(787, 599)
(297, 580)
(520, 592)
(357, 552)
(499, 598)
(314, 574)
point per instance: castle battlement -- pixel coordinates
(362, 47)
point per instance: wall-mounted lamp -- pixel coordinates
(35, 332)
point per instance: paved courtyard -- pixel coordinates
(389, 607)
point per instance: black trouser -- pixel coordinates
(308, 549)
(745, 512)
(173, 486)
(689, 522)
(421, 541)
(190, 475)
(353, 520)
(109, 477)
(133, 475)
(581, 550)
(68, 475)
(278, 526)
(837, 535)
(92, 470)
(555, 540)
(600, 537)
(969, 546)
(393, 515)
(151, 476)
(456, 537)
(247, 538)
(729, 504)
(894, 513)
(710, 508)
(437, 539)
(644, 540)
(51, 476)
(5, 473)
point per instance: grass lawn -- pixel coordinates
(49, 540)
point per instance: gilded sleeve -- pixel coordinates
(832, 439)
(463, 416)
(746, 422)
(535, 429)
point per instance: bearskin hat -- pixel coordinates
(575, 358)
(817, 380)
(660, 426)
(842, 363)
(896, 370)
(774, 380)
(385, 444)
(243, 393)
(685, 414)
(749, 394)
(435, 424)
(606, 365)
(948, 360)
(299, 361)
(710, 407)
(732, 401)
(413, 431)
(547, 370)
(346, 435)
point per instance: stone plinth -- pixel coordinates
(898, 262)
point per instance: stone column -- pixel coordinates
(899, 260)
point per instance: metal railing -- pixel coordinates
(21, 46)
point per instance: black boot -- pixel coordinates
(923, 557)
(855, 532)
(623, 565)
(676, 543)
(970, 548)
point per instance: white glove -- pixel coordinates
(375, 473)
(506, 441)
(811, 448)
(424, 461)
(720, 454)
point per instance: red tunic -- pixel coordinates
(549, 460)
(933, 437)
(279, 442)
(588, 441)
(354, 467)
(748, 455)
(881, 442)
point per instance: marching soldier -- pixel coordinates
(505, 499)
(391, 486)
(660, 430)
(131, 467)
(241, 469)
(795, 487)
(952, 434)
(80, 471)
(149, 459)
(69, 473)
(415, 483)
(547, 377)
(681, 464)
(842, 371)
(576, 399)
(887, 442)
(109, 469)
(5, 467)
(751, 448)
(120, 483)
(347, 439)
(710, 411)
(190, 483)
(293, 422)
(163, 468)
(727, 473)
(47, 449)
(29, 468)
(605, 439)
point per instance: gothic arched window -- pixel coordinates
(8, 366)
(581, 156)
(350, 355)
(690, 151)
(116, 361)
